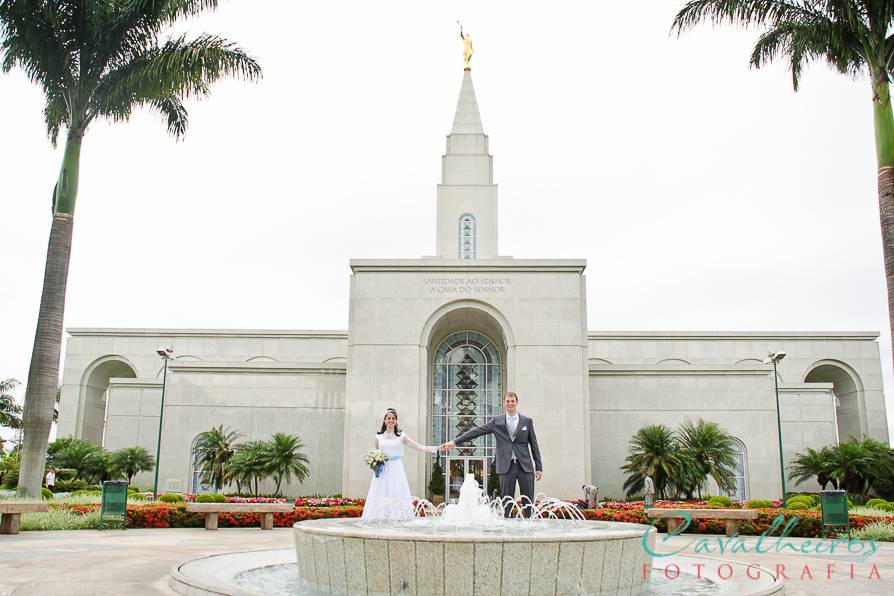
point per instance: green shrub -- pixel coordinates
(889, 506)
(211, 498)
(69, 486)
(799, 504)
(720, 501)
(86, 492)
(881, 530)
(171, 498)
(47, 493)
(805, 498)
(759, 504)
(875, 502)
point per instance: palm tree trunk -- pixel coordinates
(884, 145)
(43, 375)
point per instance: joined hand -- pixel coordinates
(448, 446)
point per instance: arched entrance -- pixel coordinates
(94, 395)
(467, 382)
(848, 392)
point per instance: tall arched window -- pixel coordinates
(195, 478)
(466, 392)
(468, 236)
(741, 471)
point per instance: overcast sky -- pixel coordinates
(704, 195)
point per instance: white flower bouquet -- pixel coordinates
(375, 459)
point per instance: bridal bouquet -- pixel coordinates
(375, 459)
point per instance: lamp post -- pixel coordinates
(165, 354)
(774, 359)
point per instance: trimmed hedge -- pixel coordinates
(211, 498)
(875, 503)
(721, 501)
(46, 493)
(760, 504)
(171, 498)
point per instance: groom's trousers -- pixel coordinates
(525, 486)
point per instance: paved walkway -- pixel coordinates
(137, 561)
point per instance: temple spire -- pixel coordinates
(467, 119)
(467, 195)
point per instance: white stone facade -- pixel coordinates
(587, 392)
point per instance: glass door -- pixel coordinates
(458, 468)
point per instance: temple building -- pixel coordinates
(441, 338)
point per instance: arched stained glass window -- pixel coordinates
(741, 472)
(468, 236)
(466, 392)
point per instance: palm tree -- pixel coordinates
(653, 451)
(79, 455)
(850, 464)
(10, 411)
(212, 454)
(283, 458)
(97, 59)
(249, 465)
(133, 460)
(712, 451)
(852, 36)
(812, 463)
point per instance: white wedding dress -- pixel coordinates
(389, 495)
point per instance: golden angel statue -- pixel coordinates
(467, 46)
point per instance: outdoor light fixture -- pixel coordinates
(774, 358)
(166, 354)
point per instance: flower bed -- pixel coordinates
(299, 502)
(174, 515)
(808, 525)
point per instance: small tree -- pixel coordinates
(436, 484)
(85, 458)
(249, 465)
(283, 458)
(10, 411)
(654, 450)
(493, 480)
(133, 460)
(212, 454)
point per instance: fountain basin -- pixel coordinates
(519, 557)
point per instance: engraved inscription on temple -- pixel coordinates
(467, 285)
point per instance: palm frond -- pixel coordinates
(178, 69)
(740, 12)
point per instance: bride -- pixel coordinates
(389, 493)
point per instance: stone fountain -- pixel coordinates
(465, 548)
(469, 548)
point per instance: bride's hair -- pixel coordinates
(396, 427)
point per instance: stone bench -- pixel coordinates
(11, 515)
(675, 516)
(212, 510)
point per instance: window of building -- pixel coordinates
(468, 236)
(741, 471)
(466, 392)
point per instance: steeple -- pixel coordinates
(467, 119)
(467, 195)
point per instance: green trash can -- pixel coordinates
(834, 507)
(114, 503)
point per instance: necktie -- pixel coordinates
(513, 422)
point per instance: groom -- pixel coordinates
(516, 443)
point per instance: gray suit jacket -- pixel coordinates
(507, 446)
